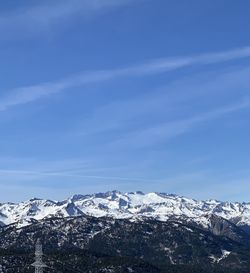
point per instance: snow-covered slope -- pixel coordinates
(135, 205)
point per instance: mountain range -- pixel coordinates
(133, 205)
(127, 232)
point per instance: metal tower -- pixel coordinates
(39, 264)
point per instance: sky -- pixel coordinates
(149, 95)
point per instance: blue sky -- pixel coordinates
(150, 95)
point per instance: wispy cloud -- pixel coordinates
(171, 110)
(49, 13)
(31, 175)
(168, 130)
(29, 94)
(58, 10)
(30, 169)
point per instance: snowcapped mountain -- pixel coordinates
(134, 206)
(120, 232)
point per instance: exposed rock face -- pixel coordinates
(222, 227)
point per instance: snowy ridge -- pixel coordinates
(134, 205)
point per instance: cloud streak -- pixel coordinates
(168, 130)
(31, 175)
(53, 12)
(28, 170)
(33, 93)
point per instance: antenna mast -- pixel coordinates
(39, 264)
